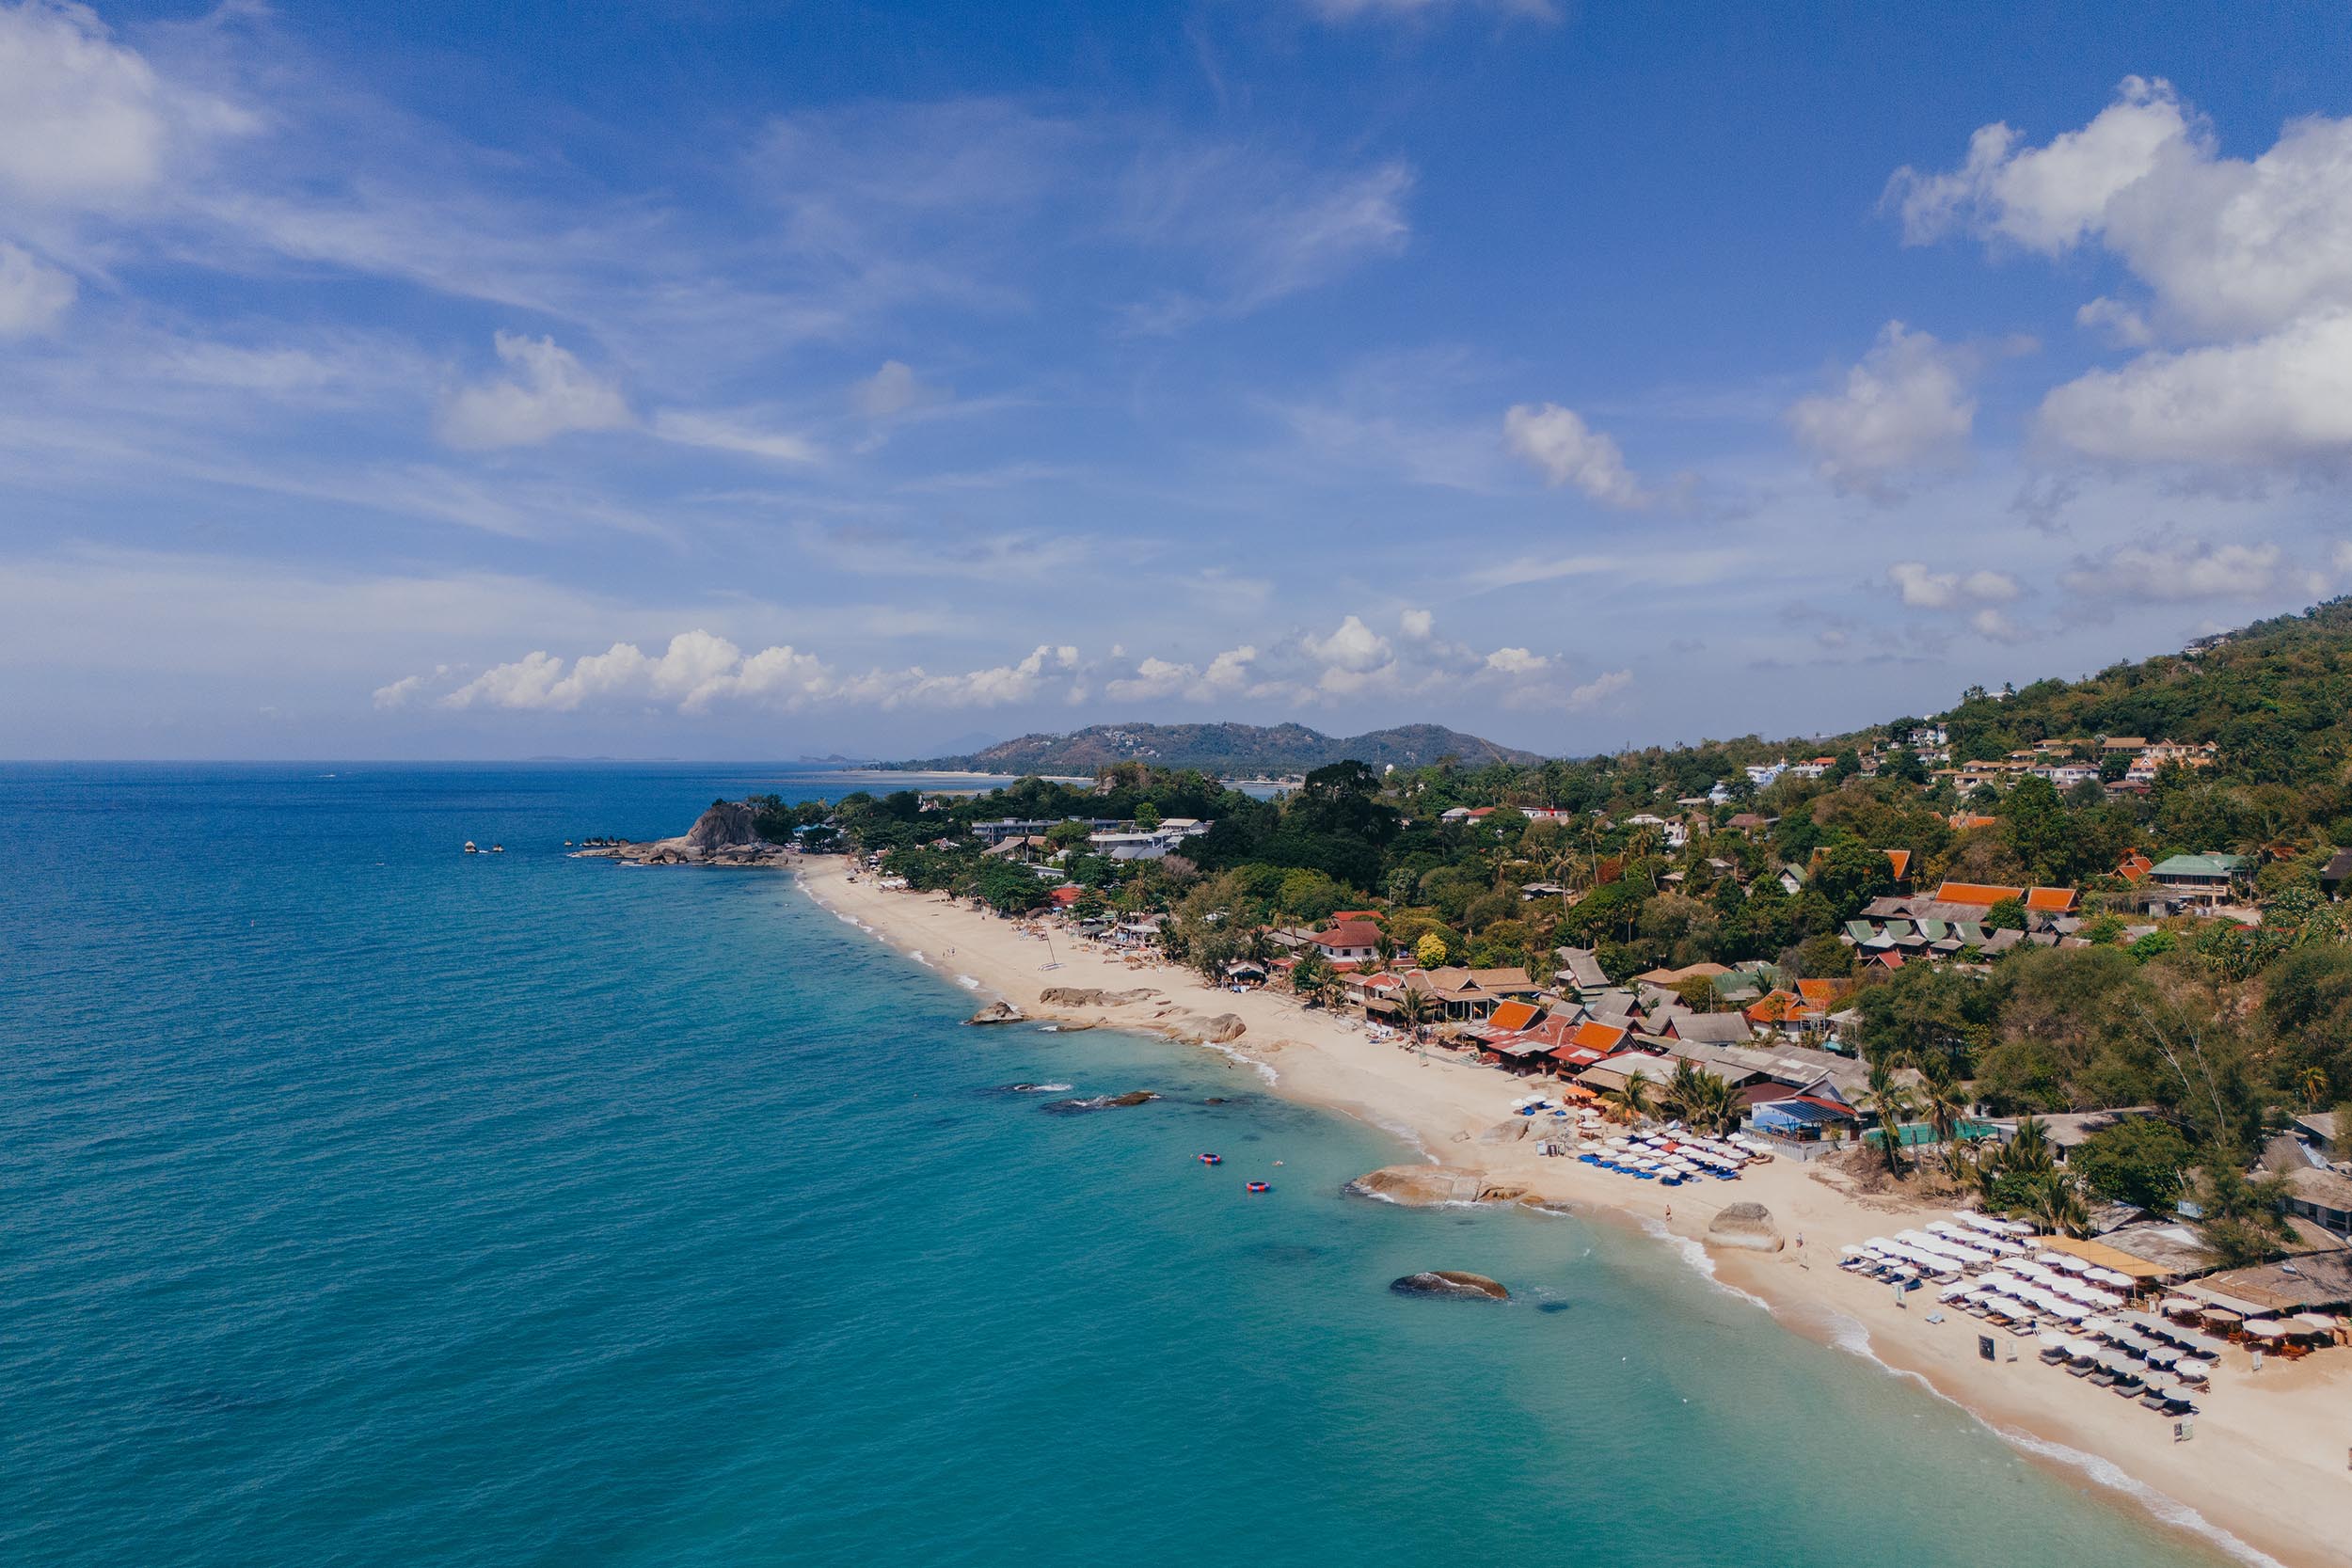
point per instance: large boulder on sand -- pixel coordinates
(998, 1012)
(1215, 1030)
(1509, 1132)
(1451, 1282)
(1421, 1186)
(1745, 1224)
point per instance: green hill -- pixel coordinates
(2276, 696)
(1228, 750)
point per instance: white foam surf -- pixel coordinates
(1238, 1059)
(1849, 1334)
(967, 982)
(1701, 1264)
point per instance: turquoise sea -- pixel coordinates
(366, 1203)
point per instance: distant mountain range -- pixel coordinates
(1232, 751)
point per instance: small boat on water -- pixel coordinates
(498, 848)
(470, 847)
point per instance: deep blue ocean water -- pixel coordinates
(366, 1203)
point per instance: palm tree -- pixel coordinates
(2313, 1085)
(2028, 1152)
(1633, 1098)
(2055, 1200)
(1702, 1100)
(1941, 1102)
(1890, 1103)
(1417, 1007)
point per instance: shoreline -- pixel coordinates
(2254, 1484)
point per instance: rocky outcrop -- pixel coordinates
(725, 824)
(1224, 1027)
(998, 1012)
(1086, 996)
(1419, 1186)
(1745, 1224)
(1509, 1132)
(1451, 1282)
(724, 835)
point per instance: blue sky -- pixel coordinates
(716, 380)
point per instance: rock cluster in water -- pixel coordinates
(998, 1012)
(1419, 1186)
(723, 835)
(1451, 1282)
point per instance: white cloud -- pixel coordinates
(718, 435)
(1597, 691)
(1517, 661)
(86, 122)
(891, 389)
(1566, 451)
(2124, 326)
(1923, 589)
(1992, 623)
(2171, 570)
(699, 670)
(1417, 625)
(549, 394)
(1354, 649)
(1265, 229)
(2286, 396)
(1906, 407)
(2249, 260)
(34, 297)
(2051, 197)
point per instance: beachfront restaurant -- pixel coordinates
(1803, 1119)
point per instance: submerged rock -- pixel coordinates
(1745, 1224)
(1452, 1283)
(1101, 1103)
(998, 1012)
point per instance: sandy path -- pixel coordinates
(2269, 1470)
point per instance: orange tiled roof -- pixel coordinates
(2050, 900)
(1900, 861)
(1512, 1016)
(2133, 866)
(1985, 893)
(1597, 1037)
(1821, 993)
(1777, 1007)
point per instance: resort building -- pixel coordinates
(2204, 879)
(1351, 942)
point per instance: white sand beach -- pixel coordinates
(2268, 1473)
